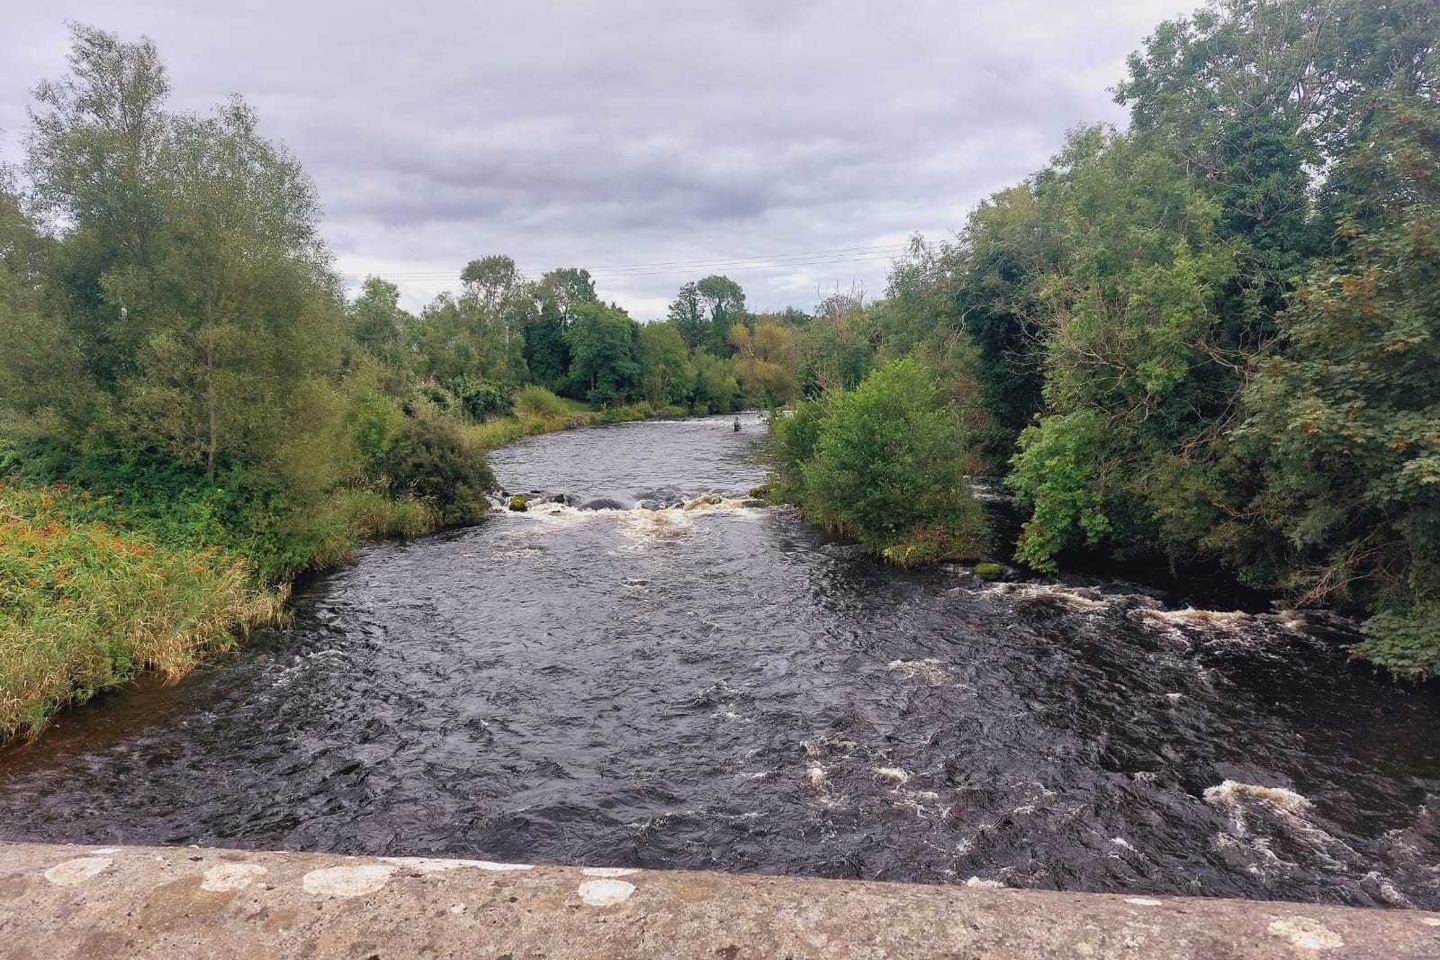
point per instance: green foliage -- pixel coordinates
(717, 388)
(835, 351)
(1343, 419)
(887, 468)
(792, 445)
(703, 312)
(667, 375)
(1057, 472)
(1003, 256)
(533, 400)
(765, 361)
(433, 459)
(1209, 340)
(378, 323)
(603, 364)
(1404, 640)
(86, 602)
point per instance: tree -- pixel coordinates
(493, 279)
(724, 304)
(667, 375)
(835, 351)
(44, 386)
(1305, 66)
(704, 311)
(378, 323)
(603, 364)
(1009, 245)
(717, 389)
(687, 315)
(888, 469)
(242, 315)
(473, 345)
(766, 360)
(1343, 421)
(558, 293)
(1130, 357)
(95, 161)
(496, 297)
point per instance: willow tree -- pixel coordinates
(95, 151)
(241, 313)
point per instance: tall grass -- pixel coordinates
(86, 604)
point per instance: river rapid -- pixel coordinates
(697, 681)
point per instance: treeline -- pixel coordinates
(1215, 338)
(477, 351)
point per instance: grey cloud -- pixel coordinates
(631, 132)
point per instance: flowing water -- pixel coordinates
(702, 682)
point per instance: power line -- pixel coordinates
(834, 255)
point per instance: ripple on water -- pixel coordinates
(721, 686)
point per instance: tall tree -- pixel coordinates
(667, 375)
(94, 159)
(378, 323)
(1343, 422)
(603, 363)
(242, 312)
(704, 311)
(557, 294)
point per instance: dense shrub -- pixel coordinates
(436, 460)
(533, 400)
(886, 466)
(792, 445)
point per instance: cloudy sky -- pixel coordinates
(789, 144)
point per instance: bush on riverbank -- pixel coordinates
(86, 603)
(883, 463)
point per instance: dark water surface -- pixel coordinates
(723, 687)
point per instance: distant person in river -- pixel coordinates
(737, 424)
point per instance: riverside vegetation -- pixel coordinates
(191, 412)
(1209, 341)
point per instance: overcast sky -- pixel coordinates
(790, 145)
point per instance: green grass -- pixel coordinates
(86, 604)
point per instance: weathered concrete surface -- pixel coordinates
(101, 902)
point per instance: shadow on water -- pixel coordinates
(713, 684)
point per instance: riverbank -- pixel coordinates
(563, 683)
(158, 901)
(100, 587)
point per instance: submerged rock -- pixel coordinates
(661, 498)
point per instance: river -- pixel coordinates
(724, 687)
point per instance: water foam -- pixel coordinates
(1232, 795)
(928, 670)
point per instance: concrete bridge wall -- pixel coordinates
(114, 902)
